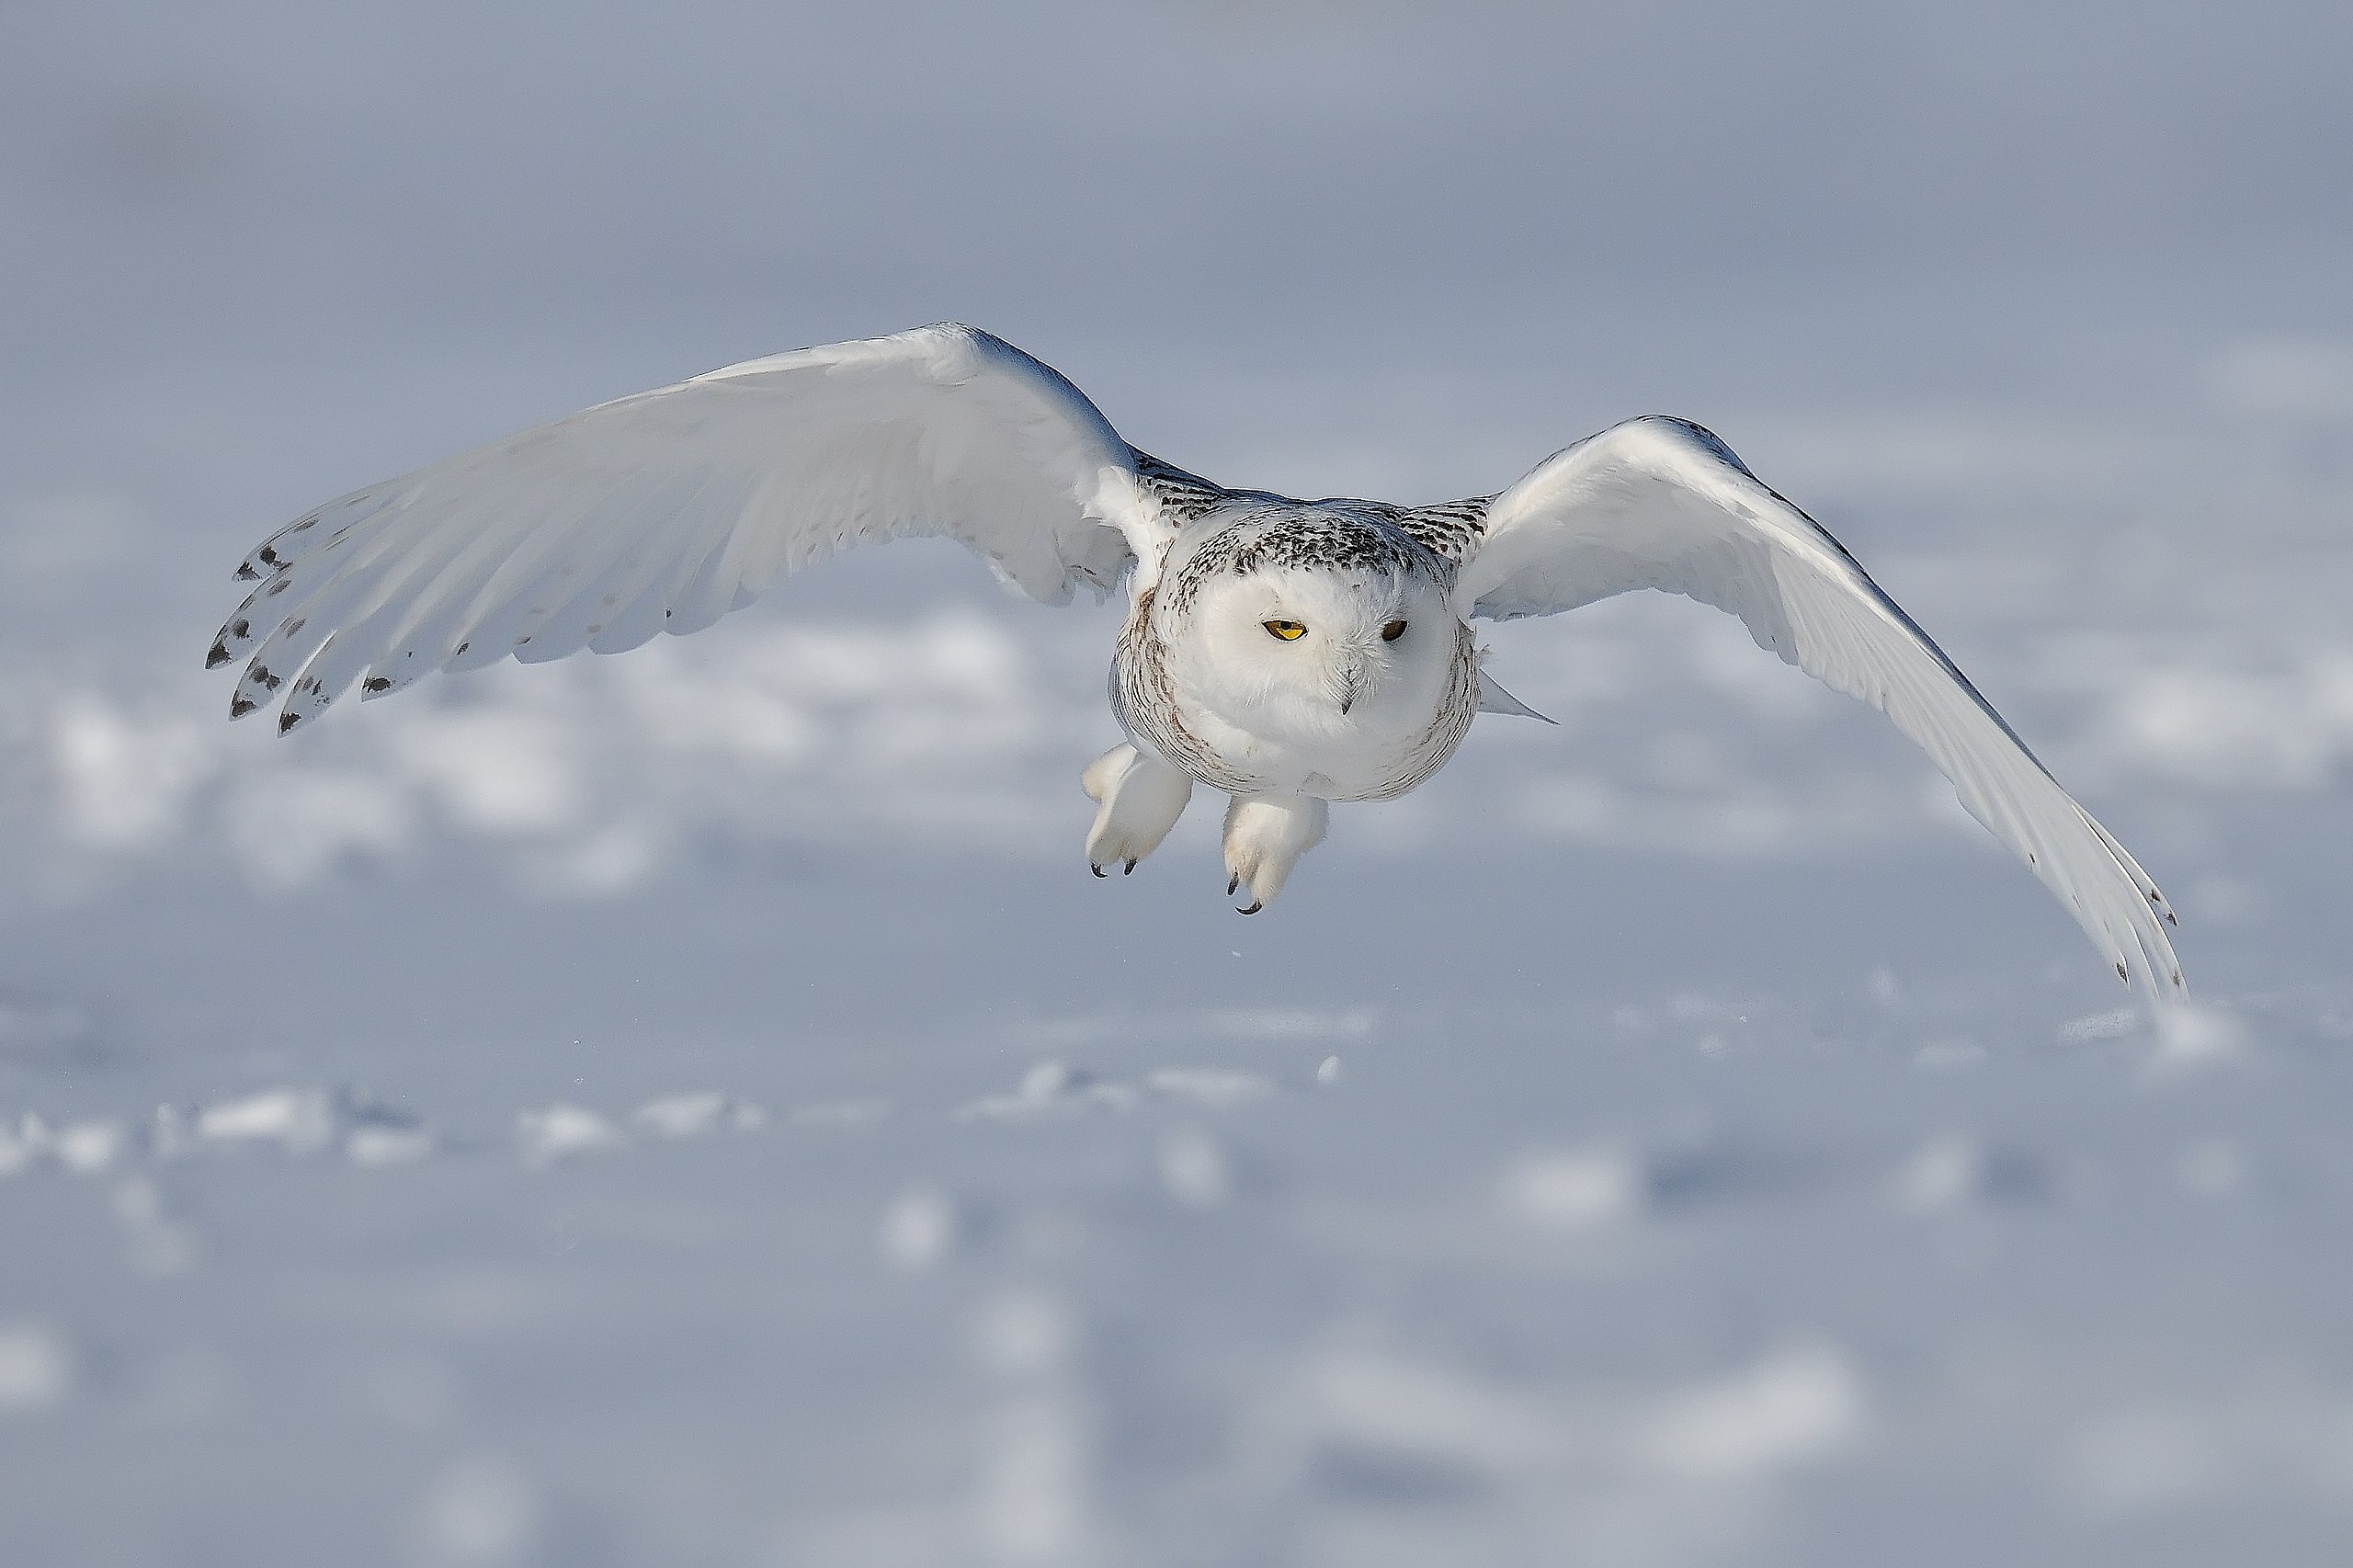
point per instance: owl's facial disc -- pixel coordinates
(1311, 650)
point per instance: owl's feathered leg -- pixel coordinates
(1140, 798)
(1264, 837)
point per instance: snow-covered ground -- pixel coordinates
(696, 1108)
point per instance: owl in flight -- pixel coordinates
(1287, 652)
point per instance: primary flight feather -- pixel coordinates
(1286, 651)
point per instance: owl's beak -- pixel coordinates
(1354, 680)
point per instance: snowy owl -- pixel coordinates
(1288, 653)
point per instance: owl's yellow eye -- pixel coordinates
(1289, 631)
(1394, 630)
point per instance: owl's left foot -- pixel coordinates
(1264, 837)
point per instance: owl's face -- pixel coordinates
(1318, 652)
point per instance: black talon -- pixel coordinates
(1094, 868)
(1232, 883)
(1128, 869)
(1252, 910)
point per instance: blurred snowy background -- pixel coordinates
(695, 1108)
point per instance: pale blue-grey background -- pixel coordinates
(1677, 1137)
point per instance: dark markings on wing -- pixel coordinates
(1184, 497)
(1450, 528)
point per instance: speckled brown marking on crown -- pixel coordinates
(1337, 535)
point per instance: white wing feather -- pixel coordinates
(1662, 503)
(664, 511)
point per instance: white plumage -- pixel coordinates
(1288, 653)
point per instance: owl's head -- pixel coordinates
(1312, 626)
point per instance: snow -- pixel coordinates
(693, 1114)
(542, 1137)
(916, 1230)
(695, 1108)
(1796, 1406)
(1193, 1168)
(302, 1121)
(36, 1368)
(1574, 1190)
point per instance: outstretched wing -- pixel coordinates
(664, 511)
(1660, 503)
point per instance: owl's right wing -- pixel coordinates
(1660, 503)
(663, 511)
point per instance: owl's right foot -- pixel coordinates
(1139, 798)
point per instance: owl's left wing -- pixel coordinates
(1660, 503)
